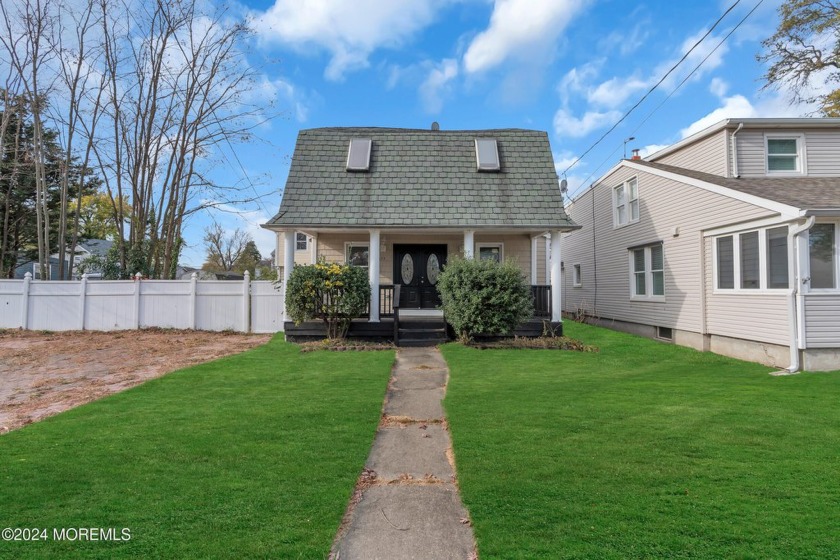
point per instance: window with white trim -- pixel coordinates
(490, 251)
(784, 154)
(357, 254)
(823, 255)
(752, 260)
(647, 272)
(301, 242)
(626, 202)
(576, 281)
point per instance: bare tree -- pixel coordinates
(26, 38)
(173, 102)
(806, 46)
(223, 250)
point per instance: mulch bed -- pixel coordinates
(539, 343)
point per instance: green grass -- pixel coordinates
(644, 450)
(250, 456)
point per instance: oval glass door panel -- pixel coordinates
(407, 269)
(432, 269)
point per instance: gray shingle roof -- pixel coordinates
(806, 193)
(422, 178)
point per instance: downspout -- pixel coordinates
(794, 295)
(735, 173)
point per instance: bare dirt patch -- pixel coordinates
(42, 374)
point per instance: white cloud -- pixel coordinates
(562, 160)
(626, 43)
(576, 80)
(350, 30)
(615, 91)
(718, 87)
(566, 124)
(519, 27)
(645, 151)
(437, 83)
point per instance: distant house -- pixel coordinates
(401, 202)
(727, 241)
(84, 250)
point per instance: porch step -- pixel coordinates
(422, 331)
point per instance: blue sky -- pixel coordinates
(569, 67)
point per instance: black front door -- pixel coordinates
(416, 269)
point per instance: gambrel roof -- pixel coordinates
(422, 178)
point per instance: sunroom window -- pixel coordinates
(823, 256)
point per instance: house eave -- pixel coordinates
(537, 229)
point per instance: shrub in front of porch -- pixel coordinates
(484, 297)
(331, 292)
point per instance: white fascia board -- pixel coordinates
(783, 209)
(612, 170)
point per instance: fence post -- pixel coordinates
(246, 302)
(137, 278)
(24, 315)
(193, 289)
(82, 296)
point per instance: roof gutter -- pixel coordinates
(795, 294)
(735, 173)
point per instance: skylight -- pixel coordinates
(487, 154)
(358, 157)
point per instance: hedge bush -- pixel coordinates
(334, 293)
(484, 297)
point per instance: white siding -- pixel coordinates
(760, 317)
(707, 155)
(822, 152)
(822, 320)
(664, 206)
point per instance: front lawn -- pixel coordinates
(250, 456)
(643, 450)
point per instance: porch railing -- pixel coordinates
(542, 300)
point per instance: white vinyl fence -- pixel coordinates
(107, 305)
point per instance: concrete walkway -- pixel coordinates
(407, 504)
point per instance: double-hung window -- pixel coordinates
(626, 202)
(752, 260)
(647, 272)
(301, 242)
(785, 154)
(822, 254)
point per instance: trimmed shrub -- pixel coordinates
(484, 297)
(335, 293)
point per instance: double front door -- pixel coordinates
(416, 269)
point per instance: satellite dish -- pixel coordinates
(564, 186)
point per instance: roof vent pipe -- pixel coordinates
(435, 126)
(735, 152)
(636, 155)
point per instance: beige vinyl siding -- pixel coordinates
(822, 320)
(301, 257)
(822, 152)
(707, 155)
(664, 205)
(542, 265)
(331, 248)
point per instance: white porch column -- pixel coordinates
(373, 271)
(288, 264)
(556, 279)
(469, 244)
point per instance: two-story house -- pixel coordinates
(726, 241)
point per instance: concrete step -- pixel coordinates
(420, 342)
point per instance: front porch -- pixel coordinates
(406, 326)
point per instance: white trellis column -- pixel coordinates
(288, 264)
(469, 244)
(556, 279)
(373, 272)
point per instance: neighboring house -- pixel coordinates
(726, 241)
(84, 250)
(402, 202)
